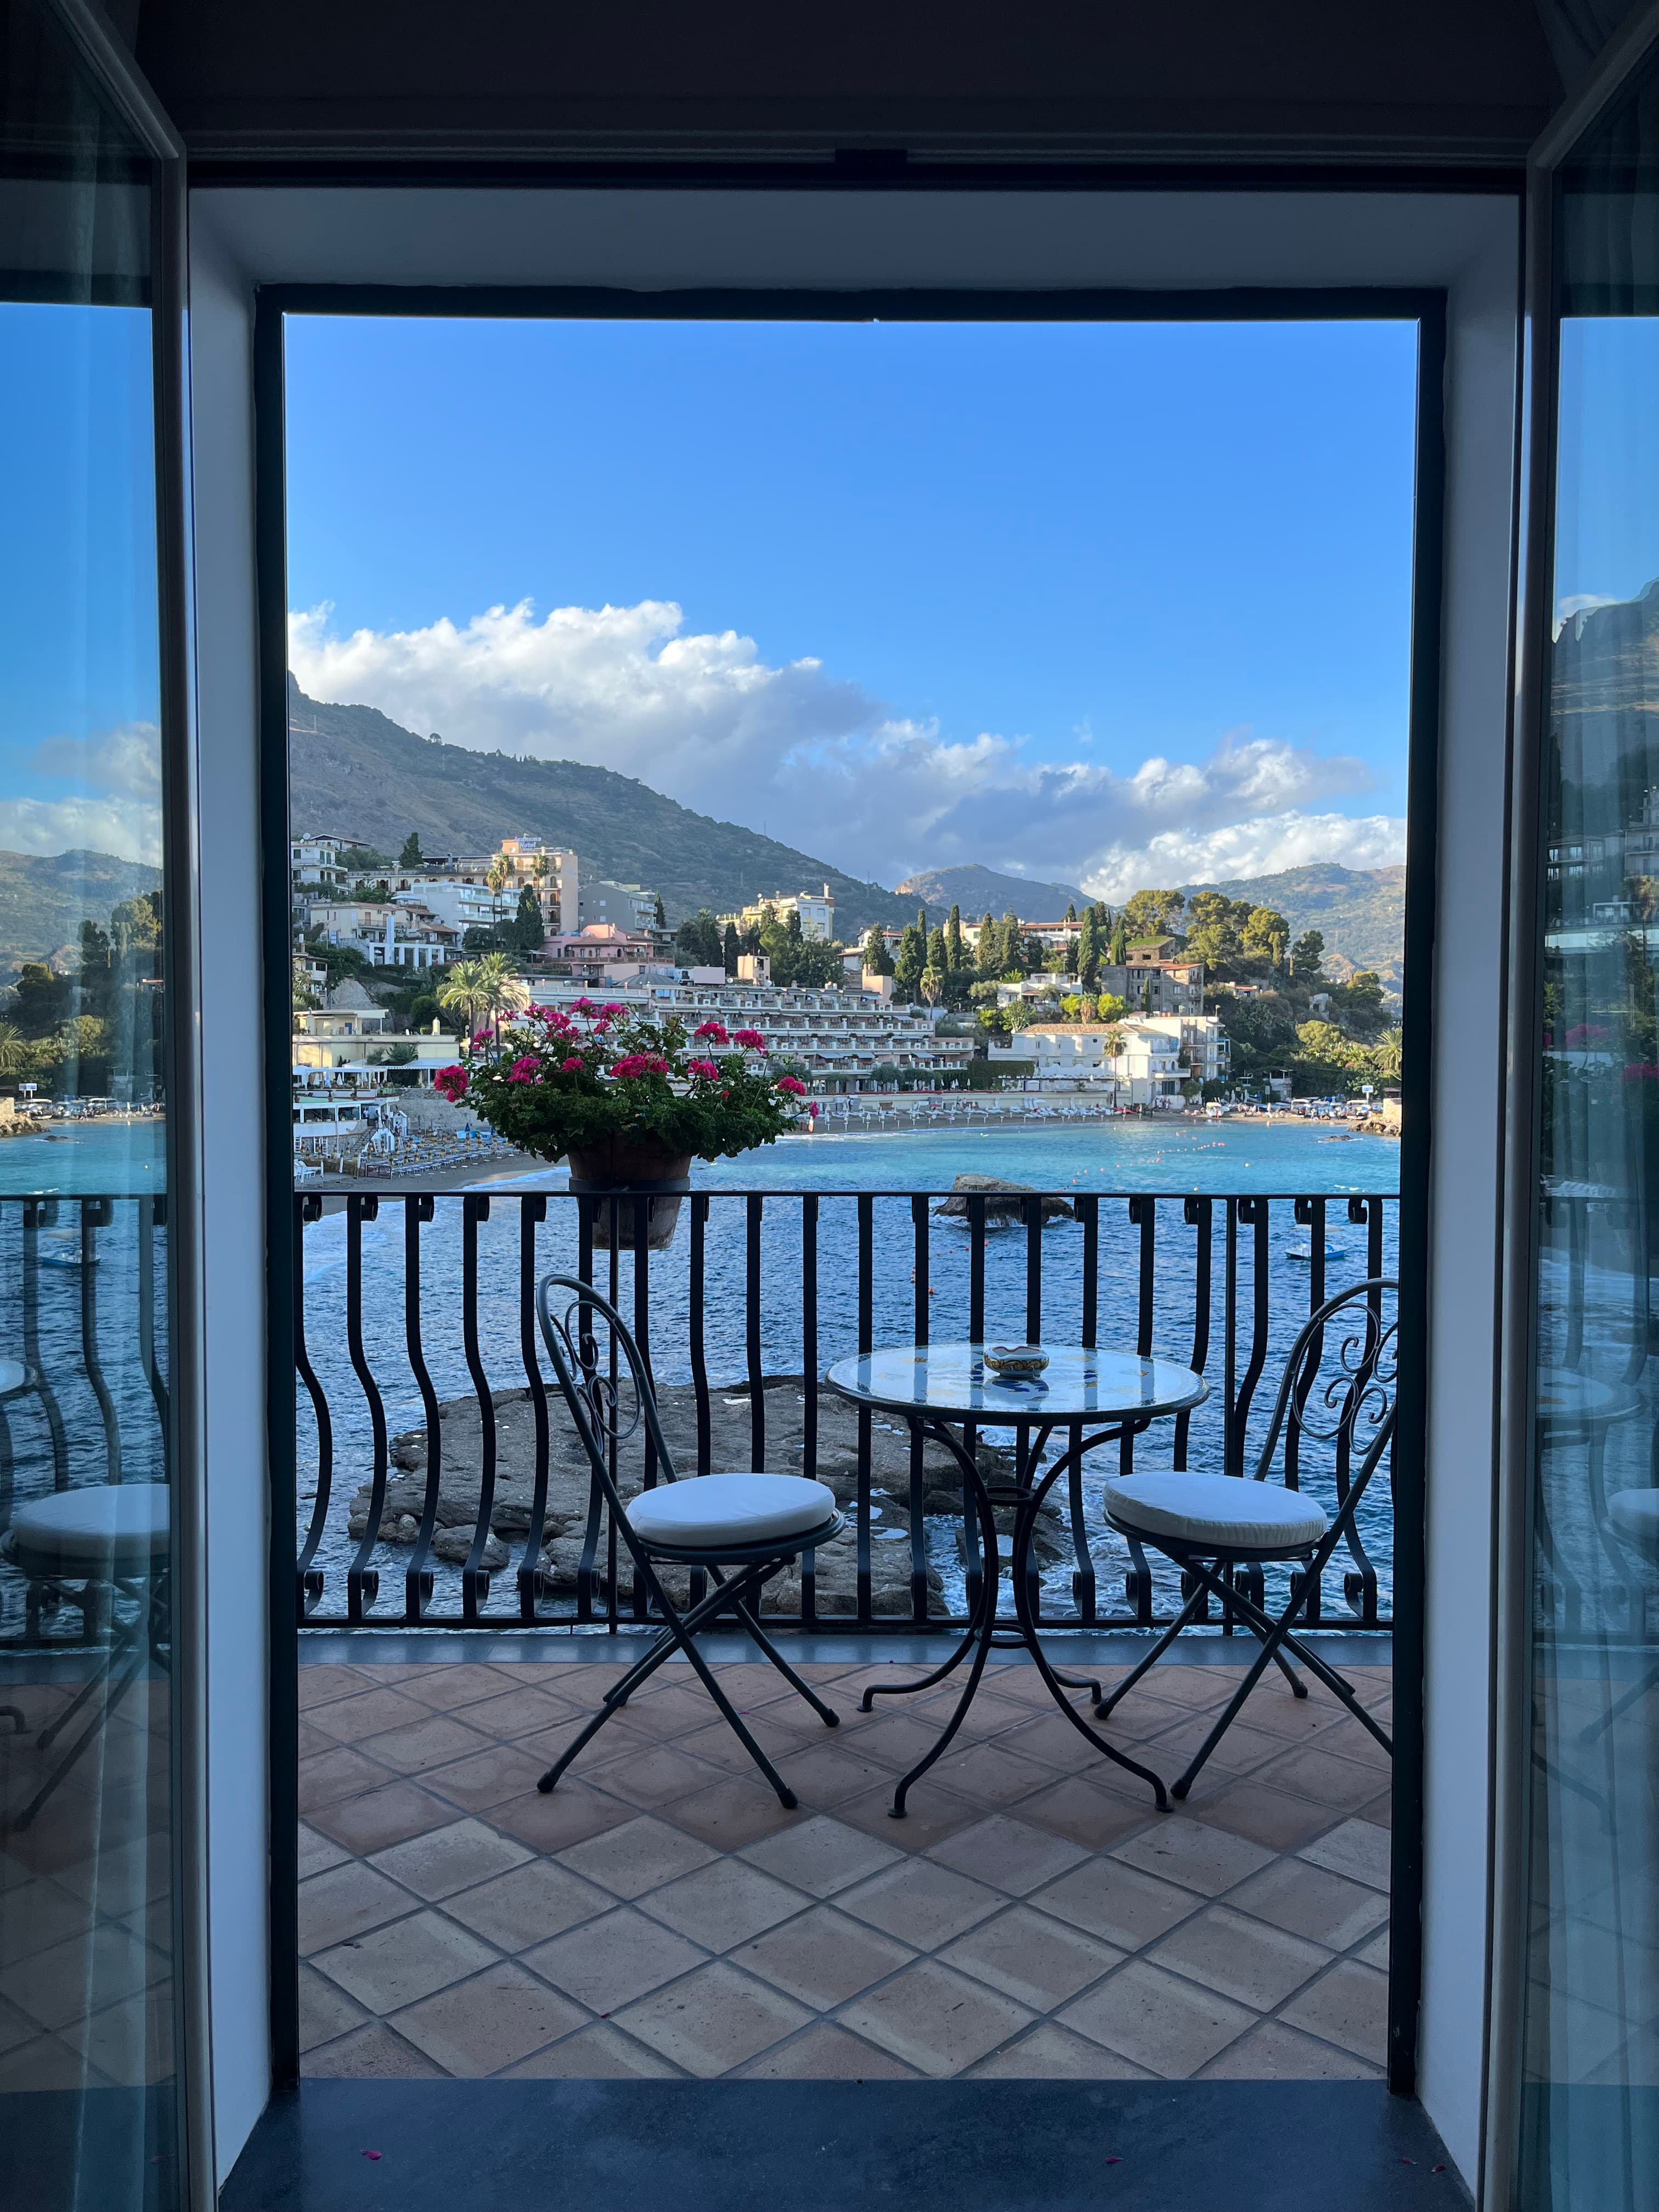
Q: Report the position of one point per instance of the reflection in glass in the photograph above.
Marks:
(86, 2059)
(1591, 2029)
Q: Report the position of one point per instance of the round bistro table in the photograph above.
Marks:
(940, 1389)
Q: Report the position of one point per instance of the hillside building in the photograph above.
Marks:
(1142, 1061)
(817, 910)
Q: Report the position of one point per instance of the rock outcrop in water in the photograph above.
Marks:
(783, 1406)
(1003, 1201)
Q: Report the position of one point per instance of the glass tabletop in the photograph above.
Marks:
(952, 1380)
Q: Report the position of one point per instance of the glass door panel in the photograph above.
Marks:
(1590, 2039)
(86, 2060)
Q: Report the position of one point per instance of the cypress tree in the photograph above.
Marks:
(953, 944)
(986, 949)
(729, 948)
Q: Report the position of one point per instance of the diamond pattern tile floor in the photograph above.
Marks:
(660, 1914)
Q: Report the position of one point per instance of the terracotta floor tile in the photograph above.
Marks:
(738, 1809)
(713, 2020)
(1052, 2053)
(600, 2052)
(443, 1860)
(446, 1684)
(1380, 1810)
(334, 1775)
(1260, 1812)
(105, 1963)
(1359, 1849)
(1375, 1952)
(929, 1815)
(827, 1773)
(654, 1776)
(382, 1816)
(1116, 1902)
(826, 2052)
(391, 1967)
(491, 1776)
(566, 1816)
(1241, 1750)
(343, 1902)
(325, 2011)
(1036, 1960)
(435, 1740)
(609, 1961)
(513, 1710)
(638, 1855)
(987, 1775)
(1307, 1901)
(374, 2053)
(479, 2026)
(1084, 1812)
(1349, 2006)
(1158, 2020)
(1272, 2052)
(935, 2019)
(1191, 1852)
(527, 1905)
(820, 1958)
(1310, 1772)
(318, 1685)
(724, 1904)
(1244, 1959)
(317, 1853)
(821, 1856)
(1006, 1854)
(349, 1719)
(919, 1903)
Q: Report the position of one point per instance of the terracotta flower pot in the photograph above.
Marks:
(642, 1166)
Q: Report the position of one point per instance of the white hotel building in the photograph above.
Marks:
(1141, 1061)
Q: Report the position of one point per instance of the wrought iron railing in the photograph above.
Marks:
(420, 1304)
(83, 1381)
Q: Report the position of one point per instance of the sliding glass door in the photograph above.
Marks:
(1588, 2108)
(94, 1572)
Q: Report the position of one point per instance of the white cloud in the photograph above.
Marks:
(824, 766)
(116, 809)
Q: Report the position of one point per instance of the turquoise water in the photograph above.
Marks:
(108, 1160)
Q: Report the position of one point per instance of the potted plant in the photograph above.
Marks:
(630, 1103)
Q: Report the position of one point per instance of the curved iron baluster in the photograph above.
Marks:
(585, 1213)
(97, 1213)
(920, 1319)
(308, 1579)
(475, 1575)
(809, 1329)
(151, 1217)
(364, 1581)
(417, 1575)
(532, 1211)
(41, 1213)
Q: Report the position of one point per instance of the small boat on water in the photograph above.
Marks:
(1305, 1252)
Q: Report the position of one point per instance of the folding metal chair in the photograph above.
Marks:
(1211, 1525)
(753, 1525)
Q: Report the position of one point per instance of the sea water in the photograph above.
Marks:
(1283, 1158)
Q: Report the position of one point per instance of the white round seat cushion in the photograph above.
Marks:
(1635, 1514)
(704, 1511)
(103, 1525)
(1224, 1512)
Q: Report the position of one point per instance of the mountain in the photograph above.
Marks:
(45, 898)
(355, 773)
(982, 890)
(1360, 912)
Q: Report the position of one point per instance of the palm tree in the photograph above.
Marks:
(1385, 1056)
(499, 991)
(13, 1053)
(461, 991)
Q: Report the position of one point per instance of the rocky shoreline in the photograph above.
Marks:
(565, 1518)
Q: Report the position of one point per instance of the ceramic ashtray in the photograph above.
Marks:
(1016, 1361)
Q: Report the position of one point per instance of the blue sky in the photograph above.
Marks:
(79, 752)
(1607, 515)
(984, 574)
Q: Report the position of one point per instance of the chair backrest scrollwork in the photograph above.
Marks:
(601, 1372)
(1352, 1406)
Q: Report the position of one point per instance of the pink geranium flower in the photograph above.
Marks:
(704, 1067)
(572, 1067)
(751, 1040)
(451, 1083)
(612, 1010)
(794, 1084)
(640, 1063)
(714, 1031)
(480, 1037)
(582, 1006)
